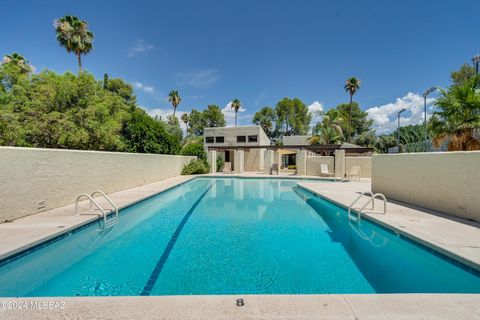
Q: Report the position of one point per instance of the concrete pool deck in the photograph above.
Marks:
(453, 236)
(339, 306)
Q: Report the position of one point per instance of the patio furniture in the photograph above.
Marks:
(227, 167)
(354, 172)
(324, 171)
(274, 168)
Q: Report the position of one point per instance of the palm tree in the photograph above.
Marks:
(458, 120)
(236, 105)
(175, 99)
(351, 86)
(19, 61)
(73, 34)
(186, 119)
(327, 131)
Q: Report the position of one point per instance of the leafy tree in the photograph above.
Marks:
(213, 117)
(19, 61)
(197, 122)
(14, 68)
(73, 34)
(461, 76)
(121, 88)
(360, 122)
(186, 119)
(293, 117)
(236, 105)
(194, 148)
(384, 142)
(173, 127)
(196, 166)
(328, 131)
(266, 118)
(352, 85)
(174, 99)
(458, 117)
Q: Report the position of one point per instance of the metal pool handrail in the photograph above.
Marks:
(85, 195)
(108, 200)
(372, 200)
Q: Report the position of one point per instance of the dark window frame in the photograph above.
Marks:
(221, 138)
(255, 136)
(209, 140)
(244, 139)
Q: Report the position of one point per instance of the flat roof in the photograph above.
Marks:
(313, 148)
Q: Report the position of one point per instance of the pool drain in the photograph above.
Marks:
(240, 303)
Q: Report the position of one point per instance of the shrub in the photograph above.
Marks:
(194, 148)
(195, 166)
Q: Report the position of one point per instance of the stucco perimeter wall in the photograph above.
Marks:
(34, 180)
(444, 181)
(313, 165)
(365, 164)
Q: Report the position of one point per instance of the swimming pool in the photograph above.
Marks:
(232, 236)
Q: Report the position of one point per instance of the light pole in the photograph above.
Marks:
(425, 95)
(476, 61)
(398, 128)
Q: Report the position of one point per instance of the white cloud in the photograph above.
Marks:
(139, 47)
(143, 87)
(385, 117)
(229, 114)
(315, 109)
(198, 78)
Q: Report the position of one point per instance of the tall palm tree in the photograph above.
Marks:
(352, 85)
(236, 105)
(19, 61)
(73, 34)
(186, 119)
(174, 99)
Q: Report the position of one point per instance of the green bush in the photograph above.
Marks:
(220, 163)
(194, 148)
(195, 166)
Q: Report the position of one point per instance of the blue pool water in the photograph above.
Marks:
(232, 236)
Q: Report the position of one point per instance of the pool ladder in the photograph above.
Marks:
(107, 223)
(371, 200)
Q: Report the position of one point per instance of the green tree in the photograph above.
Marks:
(236, 105)
(173, 127)
(346, 113)
(174, 99)
(197, 122)
(458, 117)
(121, 88)
(19, 61)
(74, 36)
(194, 148)
(293, 117)
(213, 117)
(14, 68)
(352, 85)
(461, 76)
(186, 119)
(266, 118)
(328, 131)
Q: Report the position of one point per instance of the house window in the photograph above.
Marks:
(208, 139)
(219, 139)
(253, 138)
(241, 139)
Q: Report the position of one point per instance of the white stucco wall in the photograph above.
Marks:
(444, 181)
(313, 165)
(34, 180)
(230, 136)
(365, 164)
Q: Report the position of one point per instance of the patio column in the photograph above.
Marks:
(239, 156)
(340, 164)
(301, 159)
(261, 158)
(278, 159)
(212, 160)
(268, 161)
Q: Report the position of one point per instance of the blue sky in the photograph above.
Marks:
(259, 51)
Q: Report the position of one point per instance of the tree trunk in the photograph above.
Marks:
(79, 58)
(174, 109)
(236, 117)
(350, 120)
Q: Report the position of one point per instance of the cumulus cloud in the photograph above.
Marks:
(385, 117)
(198, 78)
(143, 87)
(315, 109)
(140, 46)
(229, 114)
